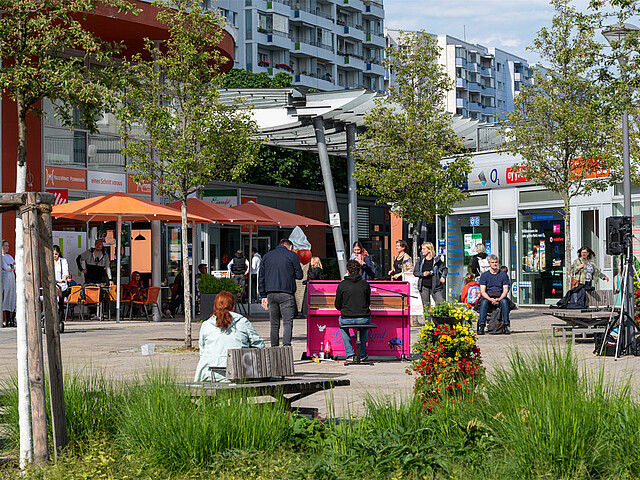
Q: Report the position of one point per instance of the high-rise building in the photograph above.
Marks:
(324, 44)
(487, 80)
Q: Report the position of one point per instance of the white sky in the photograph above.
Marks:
(507, 24)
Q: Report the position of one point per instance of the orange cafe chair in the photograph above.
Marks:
(73, 300)
(151, 299)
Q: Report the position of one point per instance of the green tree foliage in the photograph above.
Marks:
(45, 51)
(281, 167)
(562, 126)
(175, 99)
(237, 78)
(400, 157)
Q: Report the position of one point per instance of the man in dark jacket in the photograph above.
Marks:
(353, 298)
(277, 285)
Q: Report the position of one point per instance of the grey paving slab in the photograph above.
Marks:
(114, 350)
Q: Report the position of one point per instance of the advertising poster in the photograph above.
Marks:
(416, 300)
(71, 245)
(470, 242)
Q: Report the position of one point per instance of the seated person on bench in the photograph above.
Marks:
(353, 298)
(225, 329)
(494, 288)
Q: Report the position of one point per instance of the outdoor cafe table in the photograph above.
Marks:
(297, 387)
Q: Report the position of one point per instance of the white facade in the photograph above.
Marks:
(324, 44)
(522, 223)
(486, 79)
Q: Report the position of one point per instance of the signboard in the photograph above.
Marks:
(61, 194)
(470, 242)
(334, 219)
(71, 245)
(499, 176)
(106, 182)
(70, 178)
(416, 300)
(143, 188)
(474, 221)
(487, 247)
(227, 197)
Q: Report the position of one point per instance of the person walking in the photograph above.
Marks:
(431, 273)
(401, 262)
(277, 286)
(584, 270)
(256, 259)
(8, 286)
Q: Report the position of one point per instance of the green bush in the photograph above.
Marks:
(214, 285)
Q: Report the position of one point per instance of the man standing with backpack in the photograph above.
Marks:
(479, 262)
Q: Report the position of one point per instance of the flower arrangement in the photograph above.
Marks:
(456, 311)
(449, 367)
(284, 66)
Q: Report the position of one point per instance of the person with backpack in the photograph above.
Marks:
(479, 262)
(470, 291)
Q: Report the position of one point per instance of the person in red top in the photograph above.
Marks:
(470, 300)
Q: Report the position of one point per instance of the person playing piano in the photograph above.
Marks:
(353, 298)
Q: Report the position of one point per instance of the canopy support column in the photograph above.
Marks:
(334, 215)
(351, 184)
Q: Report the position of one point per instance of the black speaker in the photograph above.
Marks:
(617, 229)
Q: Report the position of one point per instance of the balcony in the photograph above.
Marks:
(474, 87)
(374, 68)
(475, 107)
(352, 61)
(373, 8)
(461, 103)
(311, 81)
(488, 91)
(461, 83)
(374, 38)
(461, 62)
(355, 5)
(350, 84)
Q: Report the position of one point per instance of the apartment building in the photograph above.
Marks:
(487, 80)
(324, 44)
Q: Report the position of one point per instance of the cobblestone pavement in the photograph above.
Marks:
(115, 351)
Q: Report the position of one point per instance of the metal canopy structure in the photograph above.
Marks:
(326, 123)
(284, 116)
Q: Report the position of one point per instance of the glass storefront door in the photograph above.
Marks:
(508, 246)
(541, 253)
(464, 232)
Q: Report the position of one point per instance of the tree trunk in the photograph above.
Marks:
(24, 396)
(567, 244)
(185, 275)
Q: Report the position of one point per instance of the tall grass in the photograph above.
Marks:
(541, 416)
(552, 419)
(162, 421)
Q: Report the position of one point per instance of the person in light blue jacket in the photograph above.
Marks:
(225, 329)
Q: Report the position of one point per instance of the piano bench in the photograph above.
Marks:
(359, 329)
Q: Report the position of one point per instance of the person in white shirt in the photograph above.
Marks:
(256, 259)
(8, 286)
(61, 268)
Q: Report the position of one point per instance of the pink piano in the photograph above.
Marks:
(389, 311)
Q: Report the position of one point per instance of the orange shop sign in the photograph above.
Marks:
(70, 178)
(143, 188)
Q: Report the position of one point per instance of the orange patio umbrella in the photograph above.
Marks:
(221, 214)
(117, 207)
(279, 217)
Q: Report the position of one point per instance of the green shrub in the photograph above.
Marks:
(210, 284)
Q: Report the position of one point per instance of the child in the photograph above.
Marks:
(353, 298)
(470, 291)
(315, 270)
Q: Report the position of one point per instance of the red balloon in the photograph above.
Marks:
(304, 256)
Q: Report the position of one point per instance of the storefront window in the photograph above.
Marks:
(541, 257)
(464, 232)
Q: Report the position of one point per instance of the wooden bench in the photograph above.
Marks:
(582, 324)
(261, 372)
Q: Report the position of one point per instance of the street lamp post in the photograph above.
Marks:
(614, 35)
